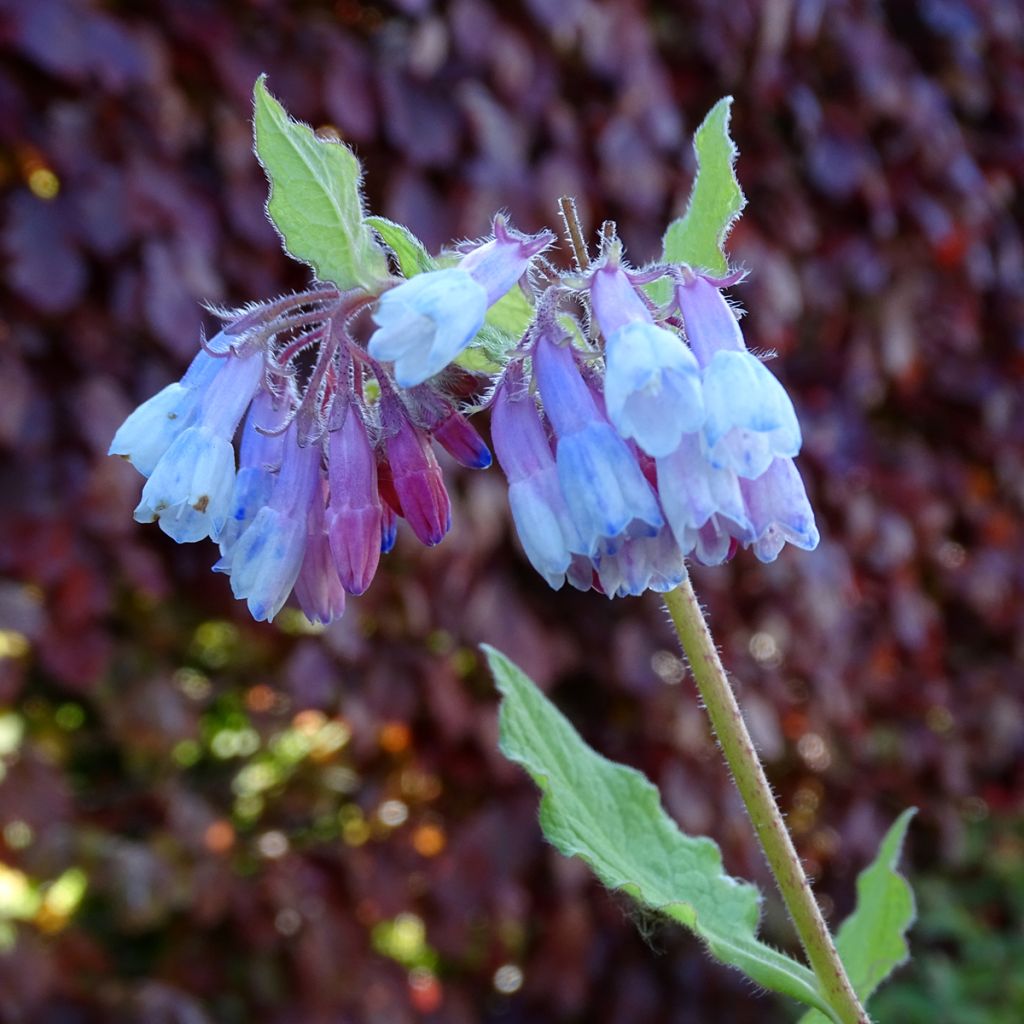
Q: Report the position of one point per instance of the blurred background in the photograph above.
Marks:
(204, 819)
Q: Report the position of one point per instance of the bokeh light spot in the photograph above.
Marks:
(13, 644)
(428, 840)
(272, 845)
(43, 183)
(18, 834)
(394, 737)
(393, 813)
(508, 979)
(219, 836)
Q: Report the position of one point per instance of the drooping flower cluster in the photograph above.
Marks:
(652, 449)
(631, 439)
(333, 447)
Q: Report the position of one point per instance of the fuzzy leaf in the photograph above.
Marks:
(611, 816)
(410, 252)
(315, 201)
(872, 940)
(716, 199)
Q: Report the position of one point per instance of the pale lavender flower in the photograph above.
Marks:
(189, 491)
(425, 322)
(750, 417)
(652, 384)
(539, 511)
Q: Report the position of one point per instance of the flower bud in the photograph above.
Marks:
(354, 515)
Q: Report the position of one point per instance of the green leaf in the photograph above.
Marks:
(512, 313)
(410, 253)
(716, 199)
(506, 321)
(872, 940)
(611, 816)
(315, 201)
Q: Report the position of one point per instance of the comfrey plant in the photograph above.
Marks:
(636, 431)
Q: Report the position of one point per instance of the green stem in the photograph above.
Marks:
(727, 722)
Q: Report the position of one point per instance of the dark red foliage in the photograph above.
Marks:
(883, 156)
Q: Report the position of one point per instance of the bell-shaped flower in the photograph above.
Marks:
(541, 516)
(259, 460)
(415, 474)
(428, 320)
(642, 564)
(652, 387)
(151, 429)
(779, 511)
(189, 491)
(652, 382)
(318, 588)
(425, 322)
(355, 517)
(266, 560)
(602, 483)
(693, 491)
(750, 418)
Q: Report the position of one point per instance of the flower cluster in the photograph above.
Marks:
(674, 440)
(332, 446)
(631, 439)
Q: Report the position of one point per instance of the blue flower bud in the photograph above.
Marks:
(318, 588)
(189, 492)
(652, 383)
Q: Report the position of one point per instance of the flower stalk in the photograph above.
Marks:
(755, 791)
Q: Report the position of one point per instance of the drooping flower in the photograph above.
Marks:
(604, 488)
(539, 511)
(318, 587)
(750, 417)
(693, 493)
(779, 511)
(642, 564)
(428, 320)
(189, 491)
(259, 459)
(266, 560)
(652, 384)
(152, 428)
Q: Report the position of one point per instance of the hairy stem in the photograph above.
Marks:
(748, 773)
(567, 207)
